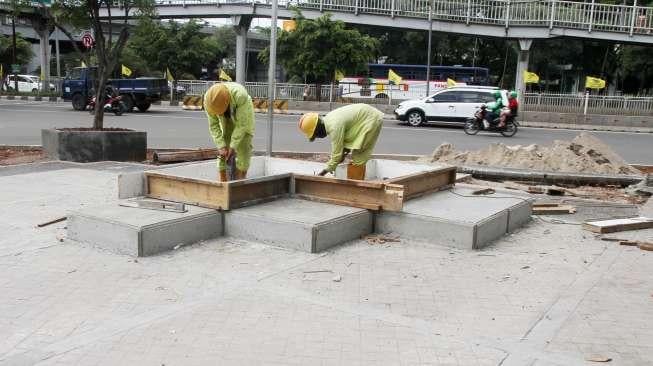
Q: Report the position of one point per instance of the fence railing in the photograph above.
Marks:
(588, 16)
(536, 102)
(596, 104)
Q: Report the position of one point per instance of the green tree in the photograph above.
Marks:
(181, 48)
(23, 52)
(70, 15)
(316, 48)
(637, 69)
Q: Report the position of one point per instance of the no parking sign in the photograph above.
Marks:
(87, 40)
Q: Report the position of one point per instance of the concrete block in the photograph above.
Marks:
(457, 218)
(141, 232)
(87, 145)
(131, 185)
(298, 224)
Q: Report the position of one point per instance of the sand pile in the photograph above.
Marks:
(584, 154)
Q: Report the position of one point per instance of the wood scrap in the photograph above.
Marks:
(60, 219)
(483, 191)
(645, 246)
(555, 191)
(553, 209)
(381, 239)
(617, 225)
(535, 190)
(628, 243)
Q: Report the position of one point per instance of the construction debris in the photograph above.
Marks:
(381, 239)
(155, 205)
(599, 359)
(552, 209)
(584, 154)
(616, 225)
(483, 191)
(60, 219)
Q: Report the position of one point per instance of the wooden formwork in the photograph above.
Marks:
(386, 195)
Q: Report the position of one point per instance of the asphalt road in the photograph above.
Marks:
(167, 127)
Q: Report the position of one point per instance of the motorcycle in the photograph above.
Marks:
(112, 104)
(479, 122)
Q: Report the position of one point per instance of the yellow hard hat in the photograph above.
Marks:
(216, 99)
(308, 123)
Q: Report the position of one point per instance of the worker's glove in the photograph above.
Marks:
(323, 173)
(225, 152)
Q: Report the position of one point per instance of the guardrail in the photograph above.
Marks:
(588, 16)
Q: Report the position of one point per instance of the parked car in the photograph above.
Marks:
(26, 83)
(455, 104)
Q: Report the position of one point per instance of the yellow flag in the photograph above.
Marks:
(126, 71)
(224, 76)
(339, 75)
(1, 72)
(83, 64)
(394, 77)
(169, 75)
(42, 76)
(594, 83)
(380, 87)
(451, 82)
(531, 78)
(289, 25)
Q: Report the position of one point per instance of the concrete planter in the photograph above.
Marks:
(86, 145)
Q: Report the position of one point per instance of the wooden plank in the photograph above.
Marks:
(191, 191)
(360, 194)
(553, 210)
(616, 225)
(371, 206)
(249, 192)
(420, 183)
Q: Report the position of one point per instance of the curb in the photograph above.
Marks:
(586, 127)
(31, 98)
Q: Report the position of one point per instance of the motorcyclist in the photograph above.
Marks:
(510, 110)
(494, 108)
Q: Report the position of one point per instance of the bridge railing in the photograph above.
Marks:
(543, 13)
(596, 104)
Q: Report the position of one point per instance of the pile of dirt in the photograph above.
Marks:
(12, 156)
(584, 154)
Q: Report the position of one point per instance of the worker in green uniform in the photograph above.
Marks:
(353, 128)
(231, 122)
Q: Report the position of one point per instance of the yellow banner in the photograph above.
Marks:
(451, 82)
(289, 25)
(531, 78)
(339, 75)
(224, 76)
(126, 71)
(594, 83)
(169, 75)
(379, 87)
(393, 77)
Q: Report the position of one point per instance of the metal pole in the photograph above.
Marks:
(428, 51)
(271, 74)
(13, 52)
(587, 97)
(56, 46)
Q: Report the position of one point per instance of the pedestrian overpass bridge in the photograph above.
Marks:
(514, 19)
(524, 20)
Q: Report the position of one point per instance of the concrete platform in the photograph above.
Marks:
(298, 224)
(141, 232)
(456, 218)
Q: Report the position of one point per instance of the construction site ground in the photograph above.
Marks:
(549, 294)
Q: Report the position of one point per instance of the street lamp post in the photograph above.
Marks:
(272, 75)
(428, 51)
(13, 52)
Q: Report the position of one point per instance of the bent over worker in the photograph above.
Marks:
(231, 122)
(353, 128)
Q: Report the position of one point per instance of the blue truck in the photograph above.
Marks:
(140, 92)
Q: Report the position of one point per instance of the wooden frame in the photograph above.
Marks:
(386, 195)
(218, 195)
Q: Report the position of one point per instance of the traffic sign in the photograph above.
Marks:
(87, 40)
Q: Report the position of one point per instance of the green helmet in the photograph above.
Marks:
(513, 94)
(496, 94)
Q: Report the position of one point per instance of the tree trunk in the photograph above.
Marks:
(100, 97)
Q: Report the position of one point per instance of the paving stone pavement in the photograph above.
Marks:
(550, 294)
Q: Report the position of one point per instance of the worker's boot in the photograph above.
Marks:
(222, 174)
(241, 174)
(356, 172)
